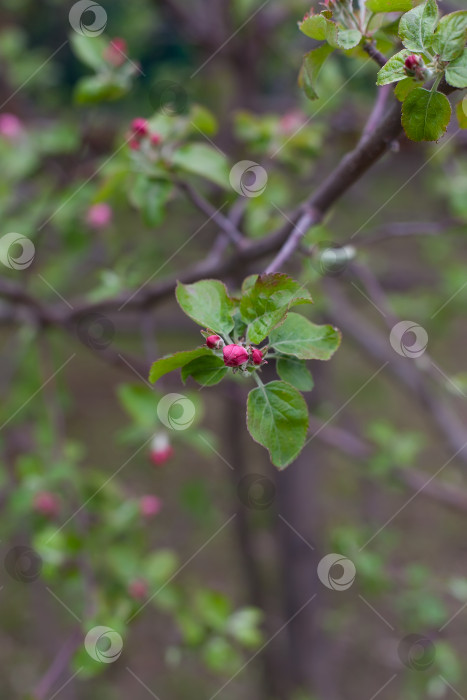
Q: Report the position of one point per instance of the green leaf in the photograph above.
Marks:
(207, 371)
(314, 26)
(322, 28)
(203, 120)
(425, 115)
(461, 112)
(151, 197)
(389, 5)
(200, 159)
(208, 304)
(138, 402)
(89, 49)
(299, 337)
(404, 87)
(394, 69)
(449, 39)
(99, 88)
(295, 372)
(348, 38)
(171, 362)
(456, 72)
(417, 26)
(312, 64)
(265, 304)
(277, 418)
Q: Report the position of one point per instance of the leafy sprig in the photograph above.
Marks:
(277, 415)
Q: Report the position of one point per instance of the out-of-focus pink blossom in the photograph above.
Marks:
(149, 506)
(47, 504)
(11, 127)
(138, 589)
(99, 216)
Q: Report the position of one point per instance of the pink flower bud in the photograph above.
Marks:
(156, 139)
(99, 216)
(115, 52)
(134, 144)
(11, 127)
(235, 355)
(149, 506)
(161, 449)
(139, 127)
(214, 341)
(412, 62)
(256, 356)
(46, 504)
(138, 589)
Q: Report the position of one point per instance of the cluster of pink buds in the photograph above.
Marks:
(115, 52)
(46, 504)
(239, 356)
(161, 449)
(140, 131)
(415, 67)
(149, 506)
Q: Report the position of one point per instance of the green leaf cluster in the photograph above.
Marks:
(277, 416)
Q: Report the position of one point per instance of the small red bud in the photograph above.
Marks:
(115, 52)
(161, 449)
(139, 127)
(256, 356)
(138, 589)
(149, 506)
(214, 342)
(134, 144)
(46, 504)
(156, 139)
(235, 355)
(412, 62)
